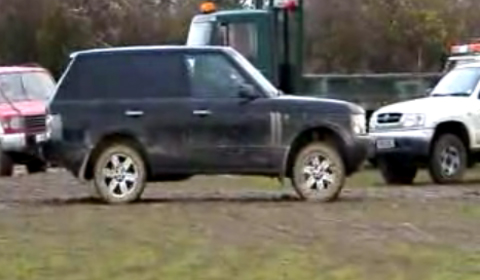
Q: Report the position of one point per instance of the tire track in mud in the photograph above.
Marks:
(57, 187)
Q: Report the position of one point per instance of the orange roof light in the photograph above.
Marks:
(208, 7)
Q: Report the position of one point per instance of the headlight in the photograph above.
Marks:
(13, 123)
(372, 122)
(359, 124)
(16, 123)
(413, 120)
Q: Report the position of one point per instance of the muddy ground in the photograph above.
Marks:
(239, 228)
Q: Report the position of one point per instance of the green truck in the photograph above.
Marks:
(271, 35)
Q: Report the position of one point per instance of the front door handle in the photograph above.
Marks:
(133, 113)
(202, 113)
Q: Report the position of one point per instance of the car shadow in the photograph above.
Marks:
(466, 183)
(241, 198)
(198, 198)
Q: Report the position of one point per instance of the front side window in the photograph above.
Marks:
(458, 82)
(200, 34)
(214, 76)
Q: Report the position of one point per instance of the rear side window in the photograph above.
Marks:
(125, 76)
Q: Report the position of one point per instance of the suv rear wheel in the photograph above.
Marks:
(318, 173)
(120, 174)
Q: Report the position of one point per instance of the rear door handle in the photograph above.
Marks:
(202, 113)
(133, 113)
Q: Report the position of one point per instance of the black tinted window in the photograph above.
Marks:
(126, 75)
(214, 76)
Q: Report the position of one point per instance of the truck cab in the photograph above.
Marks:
(269, 36)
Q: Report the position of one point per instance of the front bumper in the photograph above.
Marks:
(410, 143)
(356, 153)
(20, 142)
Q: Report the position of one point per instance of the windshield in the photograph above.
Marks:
(452, 63)
(15, 87)
(200, 33)
(458, 82)
(257, 75)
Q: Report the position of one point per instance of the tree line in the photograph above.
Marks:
(348, 36)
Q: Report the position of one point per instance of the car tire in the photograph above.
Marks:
(119, 174)
(36, 166)
(6, 165)
(318, 173)
(448, 160)
(395, 172)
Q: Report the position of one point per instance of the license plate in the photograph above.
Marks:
(41, 137)
(385, 143)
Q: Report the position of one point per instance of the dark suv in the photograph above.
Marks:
(125, 116)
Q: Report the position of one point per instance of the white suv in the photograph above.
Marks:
(440, 132)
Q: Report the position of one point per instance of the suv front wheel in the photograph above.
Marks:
(448, 161)
(397, 171)
(318, 173)
(120, 174)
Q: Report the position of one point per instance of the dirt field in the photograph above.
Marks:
(234, 228)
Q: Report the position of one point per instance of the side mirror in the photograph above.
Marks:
(247, 92)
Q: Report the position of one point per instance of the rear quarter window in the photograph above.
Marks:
(125, 76)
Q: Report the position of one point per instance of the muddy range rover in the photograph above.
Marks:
(129, 115)
(24, 94)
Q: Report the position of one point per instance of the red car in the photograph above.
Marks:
(24, 95)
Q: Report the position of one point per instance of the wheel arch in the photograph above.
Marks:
(317, 133)
(125, 137)
(457, 128)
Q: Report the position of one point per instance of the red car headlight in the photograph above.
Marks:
(13, 124)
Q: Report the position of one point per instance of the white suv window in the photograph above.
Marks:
(458, 82)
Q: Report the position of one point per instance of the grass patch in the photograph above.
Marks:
(166, 242)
